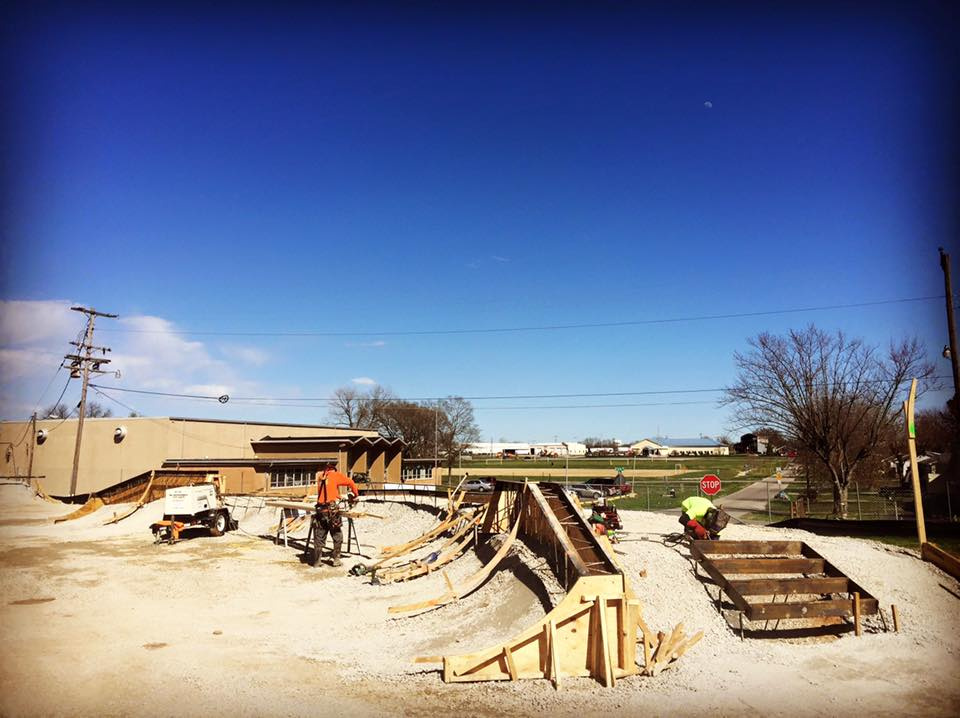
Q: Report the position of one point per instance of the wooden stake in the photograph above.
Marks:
(896, 618)
(511, 666)
(856, 612)
(914, 472)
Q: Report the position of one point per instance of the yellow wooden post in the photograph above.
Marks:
(915, 474)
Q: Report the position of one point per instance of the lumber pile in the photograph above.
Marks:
(660, 650)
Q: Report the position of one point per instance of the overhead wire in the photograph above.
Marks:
(519, 329)
(308, 401)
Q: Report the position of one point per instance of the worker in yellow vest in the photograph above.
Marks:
(701, 519)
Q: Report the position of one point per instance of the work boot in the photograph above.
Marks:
(336, 562)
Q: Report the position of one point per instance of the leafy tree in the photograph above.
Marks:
(831, 395)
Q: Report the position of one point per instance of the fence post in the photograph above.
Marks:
(648, 498)
(769, 512)
(856, 486)
(896, 513)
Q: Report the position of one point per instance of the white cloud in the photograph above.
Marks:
(33, 322)
(498, 258)
(147, 350)
(249, 355)
(376, 344)
(364, 381)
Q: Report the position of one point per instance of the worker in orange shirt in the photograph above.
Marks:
(328, 519)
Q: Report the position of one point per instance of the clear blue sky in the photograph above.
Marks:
(359, 167)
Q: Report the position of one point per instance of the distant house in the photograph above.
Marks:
(665, 446)
(753, 444)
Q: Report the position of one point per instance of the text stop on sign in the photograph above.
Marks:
(710, 484)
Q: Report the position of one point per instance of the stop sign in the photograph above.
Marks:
(710, 484)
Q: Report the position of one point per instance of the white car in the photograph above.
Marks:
(476, 485)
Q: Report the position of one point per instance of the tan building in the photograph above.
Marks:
(251, 456)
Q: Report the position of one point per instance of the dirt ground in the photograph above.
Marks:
(98, 620)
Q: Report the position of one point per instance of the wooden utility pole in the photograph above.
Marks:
(914, 473)
(952, 330)
(33, 446)
(81, 365)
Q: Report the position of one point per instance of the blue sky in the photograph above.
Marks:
(359, 167)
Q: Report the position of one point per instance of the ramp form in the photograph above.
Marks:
(592, 632)
(811, 586)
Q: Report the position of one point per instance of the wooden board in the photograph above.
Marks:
(768, 565)
(782, 548)
(810, 609)
(947, 562)
(789, 586)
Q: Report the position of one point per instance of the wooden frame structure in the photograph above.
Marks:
(592, 632)
(790, 569)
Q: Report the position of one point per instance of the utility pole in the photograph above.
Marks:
(951, 329)
(82, 364)
(33, 446)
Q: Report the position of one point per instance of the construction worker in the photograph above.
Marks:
(328, 519)
(701, 519)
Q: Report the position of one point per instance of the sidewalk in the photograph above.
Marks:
(752, 498)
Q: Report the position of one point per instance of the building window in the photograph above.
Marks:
(291, 477)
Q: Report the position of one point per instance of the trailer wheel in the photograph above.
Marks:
(218, 526)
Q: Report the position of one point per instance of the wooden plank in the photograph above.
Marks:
(708, 565)
(554, 650)
(511, 665)
(811, 609)
(946, 562)
(768, 565)
(856, 613)
(786, 548)
(557, 530)
(896, 618)
(789, 586)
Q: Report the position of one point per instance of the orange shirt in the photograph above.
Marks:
(334, 480)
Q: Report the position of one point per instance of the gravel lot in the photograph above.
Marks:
(100, 621)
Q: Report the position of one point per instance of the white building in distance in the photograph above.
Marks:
(664, 446)
(521, 448)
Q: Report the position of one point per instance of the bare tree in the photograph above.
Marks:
(56, 411)
(96, 411)
(358, 409)
(456, 428)
(413, 423)
(834, 396)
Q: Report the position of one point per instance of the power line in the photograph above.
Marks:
(312, 402)
(533, 328)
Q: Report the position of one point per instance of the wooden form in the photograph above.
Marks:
(91, 505)
(823, 590)
(469, 586)
(452, 548)
(593, 631)
(139, 505)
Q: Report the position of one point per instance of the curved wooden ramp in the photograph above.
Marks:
(469, 586)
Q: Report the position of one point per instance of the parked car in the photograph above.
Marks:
(585, 491)
(611, 487)
(476, 485)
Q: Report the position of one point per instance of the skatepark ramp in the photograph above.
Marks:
(593, 631)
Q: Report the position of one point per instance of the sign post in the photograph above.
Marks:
(710, 485)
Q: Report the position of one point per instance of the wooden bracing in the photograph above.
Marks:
(592, 632)
(790, 569)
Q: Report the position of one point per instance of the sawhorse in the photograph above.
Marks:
(351, 537)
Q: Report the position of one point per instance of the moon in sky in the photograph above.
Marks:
(708, 104)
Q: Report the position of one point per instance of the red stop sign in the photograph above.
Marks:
(710, 484)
